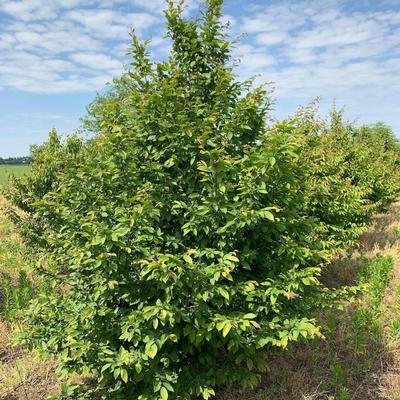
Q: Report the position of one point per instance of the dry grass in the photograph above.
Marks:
(23, 376)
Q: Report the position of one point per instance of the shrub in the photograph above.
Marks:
(374, 163)
(189, 236)
(49, 161)
(354, 173)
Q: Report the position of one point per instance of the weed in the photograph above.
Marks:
(339, 373)
(361, 321)
(396, 232)
(15, 298)
(344, 394)
(395, 328)
(331, 325)
(377, 274)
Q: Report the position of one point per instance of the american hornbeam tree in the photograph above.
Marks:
(50, 160)
(186, 236)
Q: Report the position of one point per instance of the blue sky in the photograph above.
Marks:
(55, 55)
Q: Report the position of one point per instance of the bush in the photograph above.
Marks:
(374, 163)
(50, 160)
(189, 235)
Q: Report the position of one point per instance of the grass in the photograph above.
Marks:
(6, 170)
(12, 254)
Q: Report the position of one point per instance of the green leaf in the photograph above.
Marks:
(151, 349)
(164, 393)
(155, 323)
(169, 163)
(227, 329)
(272, 161)
(207, 393)
(124, 375)
(249, 316)
(101, 239)
(231, 257)
(220, 325)
(188, 259)
(169, 387)
(224, 293)
(138, 368)
(111, 284)
(105, 367)
(267, 214)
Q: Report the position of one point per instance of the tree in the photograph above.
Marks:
(189, 236)
(51, 159)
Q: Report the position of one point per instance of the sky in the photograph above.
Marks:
(56, 54)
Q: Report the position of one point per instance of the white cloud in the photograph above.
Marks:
(107, 23)
(29, 10)
(280, 17)
(307, 48)
(65, 46)
(96, 61)
(158, 6)
(323, 49)
(252, 59)
(271, 38)
(155, 6)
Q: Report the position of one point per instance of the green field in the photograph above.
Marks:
(6, 170)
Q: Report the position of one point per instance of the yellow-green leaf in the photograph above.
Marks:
(249, 316)
(220, 325)
(155, 323)
(227, 328)
(231, 257)
(151, 350)
(188, 259)
(224, 293)
(124, 375)
(164, 393)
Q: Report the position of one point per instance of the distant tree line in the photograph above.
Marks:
(15, 160)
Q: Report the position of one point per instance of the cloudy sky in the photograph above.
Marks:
(55, 55)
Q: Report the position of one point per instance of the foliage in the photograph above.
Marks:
(354, 173)
(188, 235)
(374, 158)
(50, 161)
